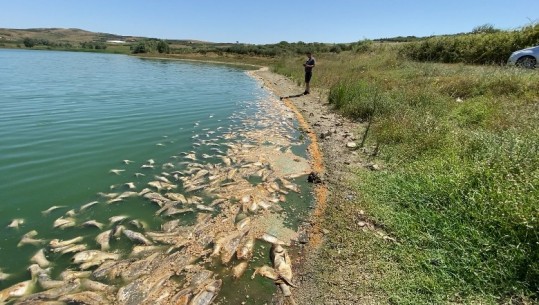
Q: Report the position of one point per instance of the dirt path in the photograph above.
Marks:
(332, 132)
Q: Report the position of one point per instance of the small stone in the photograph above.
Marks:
(325, 231)
(361, 223)
(351, 145)
(374, 167)
(303, 237)
(314, 178)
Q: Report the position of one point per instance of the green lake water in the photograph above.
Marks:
(67, 119)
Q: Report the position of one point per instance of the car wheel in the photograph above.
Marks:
(528, 62)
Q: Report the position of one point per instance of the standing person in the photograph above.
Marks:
(309, 65)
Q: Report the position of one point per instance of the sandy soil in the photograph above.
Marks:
(332, 132)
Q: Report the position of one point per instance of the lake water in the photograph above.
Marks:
(68, 119)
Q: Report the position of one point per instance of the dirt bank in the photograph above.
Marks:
(323, 280)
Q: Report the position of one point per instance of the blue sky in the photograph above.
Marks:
(269, 21)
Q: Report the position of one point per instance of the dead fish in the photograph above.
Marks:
(138, 224)
(43, 277)
(182, 297)
(103, 240)
(116, 171)
(239, 269)
(56, 243)
(74, 249)
(4, 276)
(217, 201)
(231, 174)
(253, 207)
(243, 224)
(275, 186)
(16, 291)
(64, 223)
(143, 251)
(127, 161)
(92, 223)
(88, 205)
(117, 231)
(128, 194)
(191, 156)
(151, 161)
(192, 188)
(28, 239)
(208, 294)
(201, 173)
(68, 275)
(54, 207)
(272, 239)
(162, 179)
(139, 175)
(94, 256)
(40, 259)
(264, 205)
(71, 213)
(147, 166)
(168, 165)
(114, 200)
(245, 251)
(117, 219)
(169, 226)
(137, 237)
(108, 195)
(290, 186)
(202, 207)
(174, 211)
(84, 297)
(283, 265)
(15, 223)
(176, 197)
(96, 286)
(160, 185)
(130, 185)
(230, 245)
(266, 271)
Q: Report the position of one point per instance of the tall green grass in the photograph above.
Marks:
(460, 188)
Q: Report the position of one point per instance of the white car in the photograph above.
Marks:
(525, 58)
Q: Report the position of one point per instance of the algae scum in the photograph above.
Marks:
(193, 227)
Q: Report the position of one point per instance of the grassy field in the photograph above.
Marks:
(459, 189)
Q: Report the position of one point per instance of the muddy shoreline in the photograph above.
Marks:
(332, 133)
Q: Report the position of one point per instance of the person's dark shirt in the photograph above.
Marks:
(310, 62)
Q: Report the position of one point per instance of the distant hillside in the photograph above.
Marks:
(59, 35)
(73, 36)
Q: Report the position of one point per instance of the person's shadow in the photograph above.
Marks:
(291, 96)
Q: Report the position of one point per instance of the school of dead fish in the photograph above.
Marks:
(225, 230)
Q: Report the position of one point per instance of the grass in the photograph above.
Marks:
(460, 189)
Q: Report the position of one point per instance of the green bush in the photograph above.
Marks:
(483, 46)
